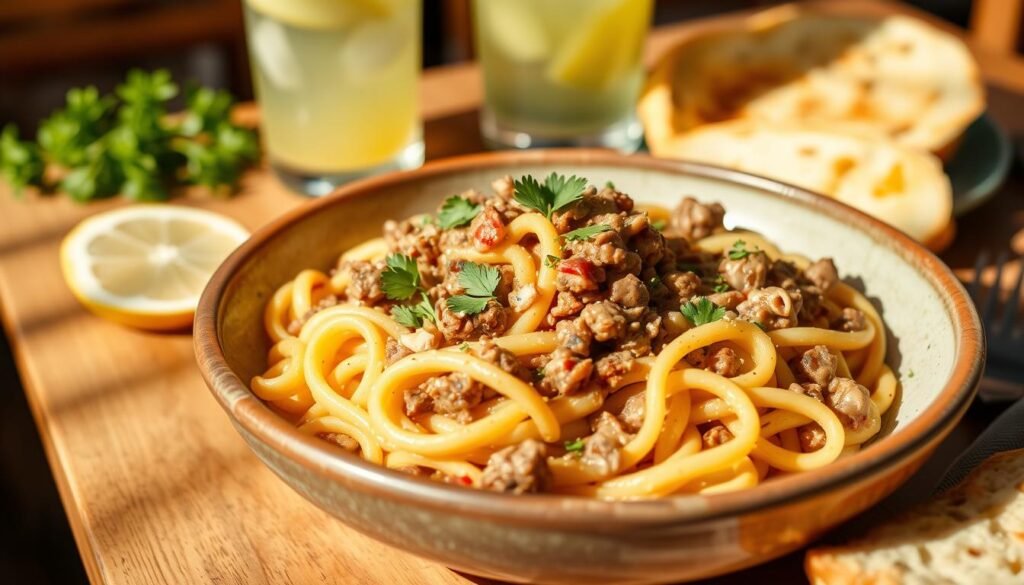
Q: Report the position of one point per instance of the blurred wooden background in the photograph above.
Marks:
(48, 46)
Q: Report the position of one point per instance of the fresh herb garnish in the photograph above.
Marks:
(720, 286)
(701, 311)
(659, 225)
(480, 282)
(401, 279)
(456, 212)
(761, 326)
(586, 232)
(556, 192)
(551, 261)
(910, 374)
(413, 316)
(426, 220)
(609, 185)
(538, 374)
(739, 250)
(575, 446)
(464, 346)
(125, 143)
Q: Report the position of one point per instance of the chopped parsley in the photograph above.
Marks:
(538, 374)
(413, 316)
(701, 311)
(585, 233)
(760, 325)
(574, 446)
(556, 192)
(609, 185)
(464, 346)
(401, 279)
(480, 282)
(551, 261)
(910, 374)
(426, 220)
(739, 250)
(720, 286)
(659, 225)
(457, 211)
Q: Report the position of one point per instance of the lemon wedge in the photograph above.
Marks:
(603, 48)
(146, 265)
(516, 29)
(322, 14)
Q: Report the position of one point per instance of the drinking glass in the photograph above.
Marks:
(561, 72)
(336, 81)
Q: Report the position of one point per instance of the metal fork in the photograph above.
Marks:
(1004, 329)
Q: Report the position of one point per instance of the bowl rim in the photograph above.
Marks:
(330, 462)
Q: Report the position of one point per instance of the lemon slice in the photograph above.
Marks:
(516, 29)
(603, 48)
(322, 14)
(146, 265)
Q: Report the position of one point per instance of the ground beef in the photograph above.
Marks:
(295, 327)
(365, 285)
(504, 359)
(850, 320)
(715, 435)
(632, 415)
(566, 304)
(457, 327)
(723, 361)
(574, 336)
(695, 220)
(628, 291)
(452, 395)
(613, 367)
(643, 326)
(822, 273)
(812, 390)
(850, 401)
(342, 440)
(602, 451)
(394, 351)
(816, 365)
(565, 373)
(812, 437)
(772, 307)
(682, 285)
(418, 239)
(605, 320)
(578, 275)
(649, 245)
(606, 250)
(729, 300)
(487, 229)
(747, 273)
(518, 469)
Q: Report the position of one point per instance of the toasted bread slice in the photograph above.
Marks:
(898, 185)
(973, 534)
(898, 77)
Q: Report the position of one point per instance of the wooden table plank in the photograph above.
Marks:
(158, 487)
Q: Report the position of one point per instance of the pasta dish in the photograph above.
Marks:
(555, 337)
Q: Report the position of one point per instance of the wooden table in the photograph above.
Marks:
(157, 485)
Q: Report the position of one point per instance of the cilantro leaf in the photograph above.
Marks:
(401, 279)
(413, 316)
(20, 162)
(456, 212)
(739, 250)
(479, 280)
(467, 305)
(586, 232)
(701, 311)
(557, 192)
(575, 446)
(551, 261)
(659, 225)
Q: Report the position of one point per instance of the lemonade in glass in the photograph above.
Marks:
(561, 72)
(336, 81)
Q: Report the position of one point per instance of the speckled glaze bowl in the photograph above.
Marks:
(934, 332)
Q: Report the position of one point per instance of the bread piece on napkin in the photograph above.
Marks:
(902, 186)
(897, 76)
(972, 534)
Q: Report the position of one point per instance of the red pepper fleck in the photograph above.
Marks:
(577, 267)
(465, 480)
(488, 230)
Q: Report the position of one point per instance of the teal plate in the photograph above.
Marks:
(980, 164)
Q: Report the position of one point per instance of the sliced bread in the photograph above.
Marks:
(973, 534)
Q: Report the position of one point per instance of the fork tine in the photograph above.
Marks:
(974, 288)
(1013, 302)
(988, 315)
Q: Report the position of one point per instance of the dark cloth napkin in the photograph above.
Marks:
(1004, 434)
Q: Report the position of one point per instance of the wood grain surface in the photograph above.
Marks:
(157, 485)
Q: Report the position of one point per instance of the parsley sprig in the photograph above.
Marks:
(480, 282)
(457, 211)
(575, 446)
(103, 145)
(739, 250)
(401, 281)
(586, 232)
(557, 192)
(701, 311)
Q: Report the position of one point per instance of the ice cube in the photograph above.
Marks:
(373, 47)
(277, 61)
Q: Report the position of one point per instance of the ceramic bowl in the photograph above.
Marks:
(935, 339)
